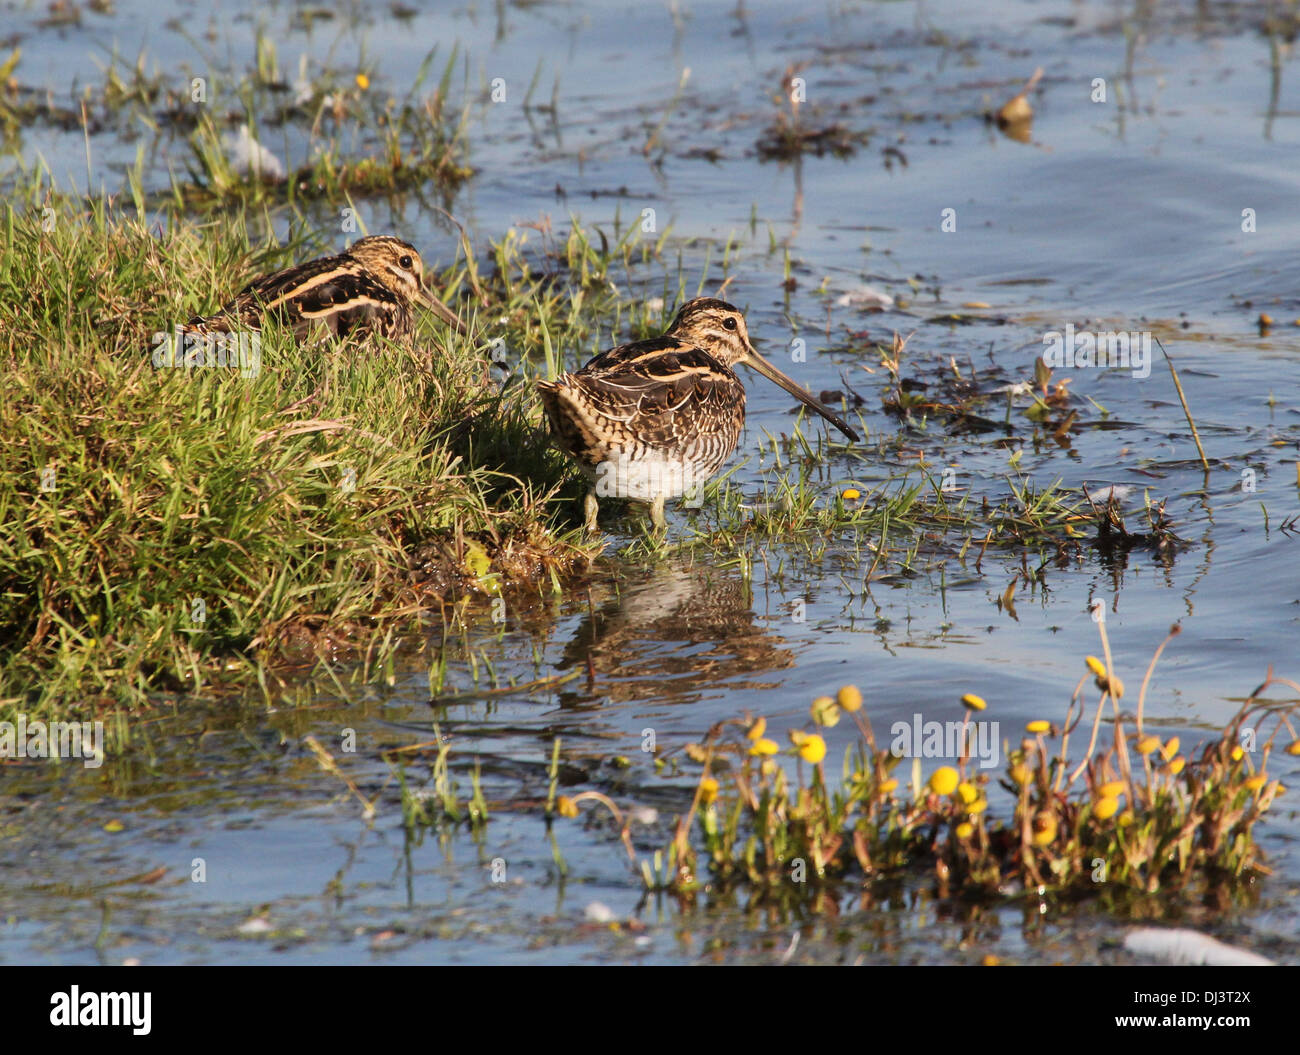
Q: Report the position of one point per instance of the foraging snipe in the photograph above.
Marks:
(654, 419)
(369, 288)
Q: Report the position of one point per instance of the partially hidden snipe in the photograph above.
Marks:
(372, 287)
(654, 419)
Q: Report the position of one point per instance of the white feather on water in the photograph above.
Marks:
(864, 297)
(249, 157)
(1189, 948)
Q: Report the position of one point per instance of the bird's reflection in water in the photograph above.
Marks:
(676, 633)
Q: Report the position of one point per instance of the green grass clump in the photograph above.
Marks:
(159, 524)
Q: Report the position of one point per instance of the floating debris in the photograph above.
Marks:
(249, 158)
(864, 297)
(1016, 116)
(1189, 948)
(598, 912)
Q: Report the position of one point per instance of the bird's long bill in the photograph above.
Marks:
(441, 310)
(800, 393)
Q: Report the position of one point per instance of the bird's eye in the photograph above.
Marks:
(405, 262)
(729, 323)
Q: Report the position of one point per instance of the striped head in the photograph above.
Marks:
(395, 263)
(718, 328)
(713, 326)
(398, 266)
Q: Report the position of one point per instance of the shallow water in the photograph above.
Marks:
(1124, 215)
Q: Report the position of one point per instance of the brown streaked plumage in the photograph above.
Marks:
(369, 288)
(654, 419)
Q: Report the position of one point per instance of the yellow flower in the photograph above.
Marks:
(1176, 766)
(1105, 808)
(566, 806)
(1112, 789)
(851, 699)
(825, 711)
(1044, 829)
(851, 494)
(797, 736)
(1293, 748)
(888, 786)
(1021, 774)
(975, 703)
(944, 781)
(978, 806)
(363, 82)
(965, 830)
(1095, 665)
(764, 746)
(708, 790)
(1126, 818)
(1171, 748)
(1148, 744)
(1238, 754)
(1038, 726)
(757, 729)
(967, 792)
(1257, 782)
(813, 749)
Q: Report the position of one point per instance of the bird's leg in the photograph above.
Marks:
(657, 513)
(591, 508)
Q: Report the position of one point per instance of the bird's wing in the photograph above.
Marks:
(652, 386)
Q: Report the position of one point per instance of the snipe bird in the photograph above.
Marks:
(370, 288)
(654, 419)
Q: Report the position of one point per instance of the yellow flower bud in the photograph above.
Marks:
(1176, 766)
(1044, 829)
(978, 806)
(851, 494)
(825, 711)
(566, 807)
(1257, 782)
(1021, 774)
(1293, 748)
(1105, 808)
(1039, 726)
(1171, 748)
(757, 729)
(973, 702)
(1238, 754)
(965, 830)
(763, 746)
(363, 82)
(1112, 789)
(944, 781)
(813, 749)
(708, 790)
(967, 792)
(888, 786)
(1148, 744)
(850, 698)
(1095, 665)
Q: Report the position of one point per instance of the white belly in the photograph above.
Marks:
(644, 478)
